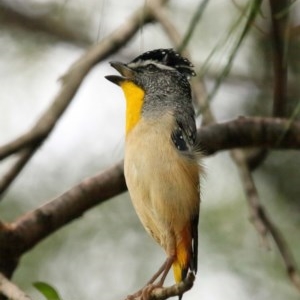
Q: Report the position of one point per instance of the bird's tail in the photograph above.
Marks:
(186, 252)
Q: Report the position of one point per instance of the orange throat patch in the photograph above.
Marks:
(134, 101)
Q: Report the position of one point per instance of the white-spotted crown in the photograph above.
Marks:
(165, 57)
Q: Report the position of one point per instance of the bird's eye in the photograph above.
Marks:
(151, 67)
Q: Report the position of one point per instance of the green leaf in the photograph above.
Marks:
(47, 290)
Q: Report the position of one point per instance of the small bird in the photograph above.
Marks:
(161, 163)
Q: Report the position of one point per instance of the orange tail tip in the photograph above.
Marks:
(181, 265)
(182, 262)
(183, 255)
(187, 251)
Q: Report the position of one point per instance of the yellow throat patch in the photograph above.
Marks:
(134, 101)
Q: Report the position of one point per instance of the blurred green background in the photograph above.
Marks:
(106, 254)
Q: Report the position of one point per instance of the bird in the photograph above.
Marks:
(161, 159)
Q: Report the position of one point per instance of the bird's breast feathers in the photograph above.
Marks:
(162, 182)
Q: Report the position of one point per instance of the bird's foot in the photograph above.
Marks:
(144, 293)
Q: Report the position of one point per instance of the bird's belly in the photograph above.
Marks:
(162, 184)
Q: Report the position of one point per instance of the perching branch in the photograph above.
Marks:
(162, 293)
(174, 290)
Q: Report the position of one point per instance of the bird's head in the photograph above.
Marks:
(150, 69)
(152, 81)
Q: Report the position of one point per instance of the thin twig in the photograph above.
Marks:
(21, 160)
(284, 250)
(195, 19)
(280, 45)
(263, 223)
(10, 290)
(253, 11)
(251, 195)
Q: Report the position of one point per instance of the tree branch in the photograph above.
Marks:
(10, 290)
(161, 293)
(174, 290)
(31, 228)
(22, 158)
(244, 132)
(35, 225)
(252, 197)
(283, 248)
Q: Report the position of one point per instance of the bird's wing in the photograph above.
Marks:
(184, 132)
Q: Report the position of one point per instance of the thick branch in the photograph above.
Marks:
(29, 229)
(35, 225)
(272, 133)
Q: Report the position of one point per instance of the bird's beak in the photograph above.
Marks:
(125, 71)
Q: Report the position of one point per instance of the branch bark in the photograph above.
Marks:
(10, 290)
(244, 132)
(174, 290)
